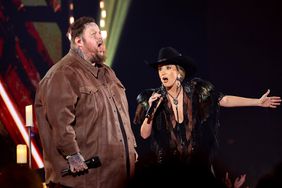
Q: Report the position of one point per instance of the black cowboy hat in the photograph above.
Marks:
(169, 55)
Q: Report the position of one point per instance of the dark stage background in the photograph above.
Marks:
(237, 45)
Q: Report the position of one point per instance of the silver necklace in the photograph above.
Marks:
(175, 102)
(175, 99)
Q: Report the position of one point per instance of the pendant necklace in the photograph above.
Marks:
(175, 99)
(175, 102)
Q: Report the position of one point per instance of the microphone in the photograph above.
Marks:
(154, 104)
(93, 162)
(151, 109)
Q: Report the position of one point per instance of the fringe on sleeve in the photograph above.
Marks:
(205, 101)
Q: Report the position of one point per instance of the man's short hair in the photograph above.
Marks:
(77, 27)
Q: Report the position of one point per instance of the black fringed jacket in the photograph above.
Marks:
(198, 135)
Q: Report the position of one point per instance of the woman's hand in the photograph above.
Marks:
(155, 96)
(269, 102)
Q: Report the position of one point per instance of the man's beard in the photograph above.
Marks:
(99, 59)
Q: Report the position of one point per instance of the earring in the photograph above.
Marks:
(179, 80)
(178, 84)
(179, 77)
